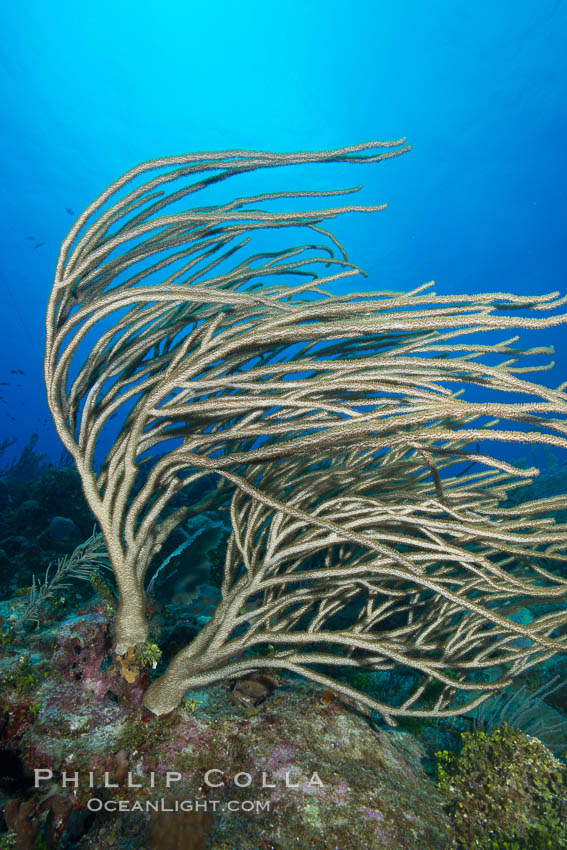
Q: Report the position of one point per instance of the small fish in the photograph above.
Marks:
(31, 237)
(326, 698)
(524, 306)
(4, 384)
(16, 372)
(39, 244)
(69, 210)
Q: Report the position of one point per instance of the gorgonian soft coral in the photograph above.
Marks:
(369, 528)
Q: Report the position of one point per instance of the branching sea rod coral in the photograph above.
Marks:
(371, 526)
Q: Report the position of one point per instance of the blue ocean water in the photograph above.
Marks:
(479, 90)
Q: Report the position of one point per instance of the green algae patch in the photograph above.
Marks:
(504, 791)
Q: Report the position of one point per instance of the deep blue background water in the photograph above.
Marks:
(90, 89)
